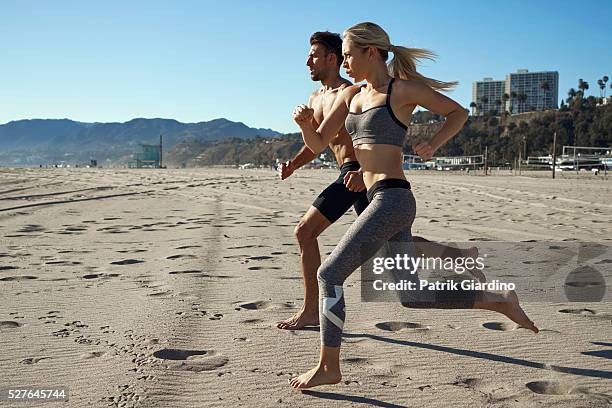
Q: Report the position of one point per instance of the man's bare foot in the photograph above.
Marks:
(475, 272)
(513, 310)
(300, 320)
(319, 375)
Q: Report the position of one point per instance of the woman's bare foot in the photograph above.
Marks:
(472, 253)
(509, 306)
(300, 320)
(319, 375)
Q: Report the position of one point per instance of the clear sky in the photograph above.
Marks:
(111, 61)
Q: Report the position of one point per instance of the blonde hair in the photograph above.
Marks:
(403, 64)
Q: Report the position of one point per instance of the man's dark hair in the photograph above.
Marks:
(331, 41)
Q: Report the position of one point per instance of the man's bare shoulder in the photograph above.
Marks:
(343, 85)
(313, 96)
(350, 90)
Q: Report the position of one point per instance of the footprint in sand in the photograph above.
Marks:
(18, 278)
(549, 387)
(385, 370)
(583, 312)
(189, 271)
(191, 360)
(181, 256)
(92, 354)
(468, 382)
(31, 228)
(206, 275)
(127, 262)
(9, 324)
(397, 326)
(159, 294)
(259, 268)
(65, 263)
(251, 321)
(355, 360)
(33, 360)
(500, 326)
(258, 305)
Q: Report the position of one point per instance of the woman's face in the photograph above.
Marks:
(355, 60)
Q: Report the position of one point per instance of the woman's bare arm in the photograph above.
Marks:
(318, 139)
(418, 93)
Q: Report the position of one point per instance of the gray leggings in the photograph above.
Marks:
(388, 218)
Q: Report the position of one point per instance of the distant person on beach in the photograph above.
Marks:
(324, 61)
(376, 116)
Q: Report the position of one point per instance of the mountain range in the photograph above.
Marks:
(27, 142)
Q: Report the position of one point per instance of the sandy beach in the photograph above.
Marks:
(162, 288)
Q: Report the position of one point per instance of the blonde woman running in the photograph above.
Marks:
(376, 116)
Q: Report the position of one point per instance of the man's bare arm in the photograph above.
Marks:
(304, 156)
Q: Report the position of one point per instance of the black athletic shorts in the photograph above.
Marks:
(336, 199)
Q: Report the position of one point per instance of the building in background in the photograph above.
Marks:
(488, 95)
(540, 90)
(522, 91)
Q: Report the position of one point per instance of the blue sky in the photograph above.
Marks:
(111, 61)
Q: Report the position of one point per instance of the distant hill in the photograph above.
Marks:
(42, 140)
(260, 151)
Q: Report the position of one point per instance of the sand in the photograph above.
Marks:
(162, 288)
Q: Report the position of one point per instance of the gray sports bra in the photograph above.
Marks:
(377, 125)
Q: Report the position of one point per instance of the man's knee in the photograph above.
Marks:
(304, 231)
(309, 228)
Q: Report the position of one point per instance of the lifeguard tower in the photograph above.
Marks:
(149, 157)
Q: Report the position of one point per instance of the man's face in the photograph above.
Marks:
(318, 62)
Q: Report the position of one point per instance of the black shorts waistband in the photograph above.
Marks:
(350, 166)
(385, 184)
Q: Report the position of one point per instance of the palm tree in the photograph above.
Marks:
(513, 97)
(602, 87)
(498, 104)
(605, 81)
(583, 86)
(545, 86)
(571, 95)
(522, 99)
(484, 100)
(472, 106)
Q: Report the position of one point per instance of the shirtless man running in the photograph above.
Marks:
(324, 61)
